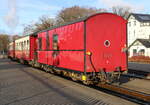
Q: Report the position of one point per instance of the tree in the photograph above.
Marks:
(4, 41)
(14, 37)
(121, 11)
(43, 23)
(65, 15)
(28, 29)
(75, 12)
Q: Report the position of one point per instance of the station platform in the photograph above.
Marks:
(139, 67)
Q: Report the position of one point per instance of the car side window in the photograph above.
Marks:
(55, 42)
(47, 41)
(40, 43)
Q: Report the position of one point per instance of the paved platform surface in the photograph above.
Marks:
(24, 85)
(139, 66)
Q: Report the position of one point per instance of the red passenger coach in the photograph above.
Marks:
(89, 49)
(23, 49)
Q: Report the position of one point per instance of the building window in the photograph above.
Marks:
(135, 23)
(134, 52)
(129, 24)
(142, 52)
(145, 24)
(141, 24)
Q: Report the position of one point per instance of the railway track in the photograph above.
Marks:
(132, 95)
(140, 97)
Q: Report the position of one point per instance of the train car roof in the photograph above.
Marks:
(75, 21)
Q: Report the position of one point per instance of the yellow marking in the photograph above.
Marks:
(83, 77)
(88, 53)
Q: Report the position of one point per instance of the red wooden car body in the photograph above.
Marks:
(88, 45)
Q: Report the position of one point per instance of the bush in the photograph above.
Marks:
(142, 59)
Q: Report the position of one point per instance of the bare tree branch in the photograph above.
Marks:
(43, 23)
(121, 11)
(75, 12)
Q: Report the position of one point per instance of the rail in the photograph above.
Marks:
(125, 91)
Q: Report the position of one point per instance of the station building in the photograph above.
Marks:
(139, 34)
(140, 47)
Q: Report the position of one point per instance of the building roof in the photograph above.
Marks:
(142, 17)
(144, 42)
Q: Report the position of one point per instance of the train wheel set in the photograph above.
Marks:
(87, 79)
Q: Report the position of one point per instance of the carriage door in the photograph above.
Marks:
(14, 49)
(55, 50)
(47, 46)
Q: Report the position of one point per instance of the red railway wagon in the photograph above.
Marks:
(11, 50)
(24, 49)
(90, 48)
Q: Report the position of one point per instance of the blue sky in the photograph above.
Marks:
(14, 14)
